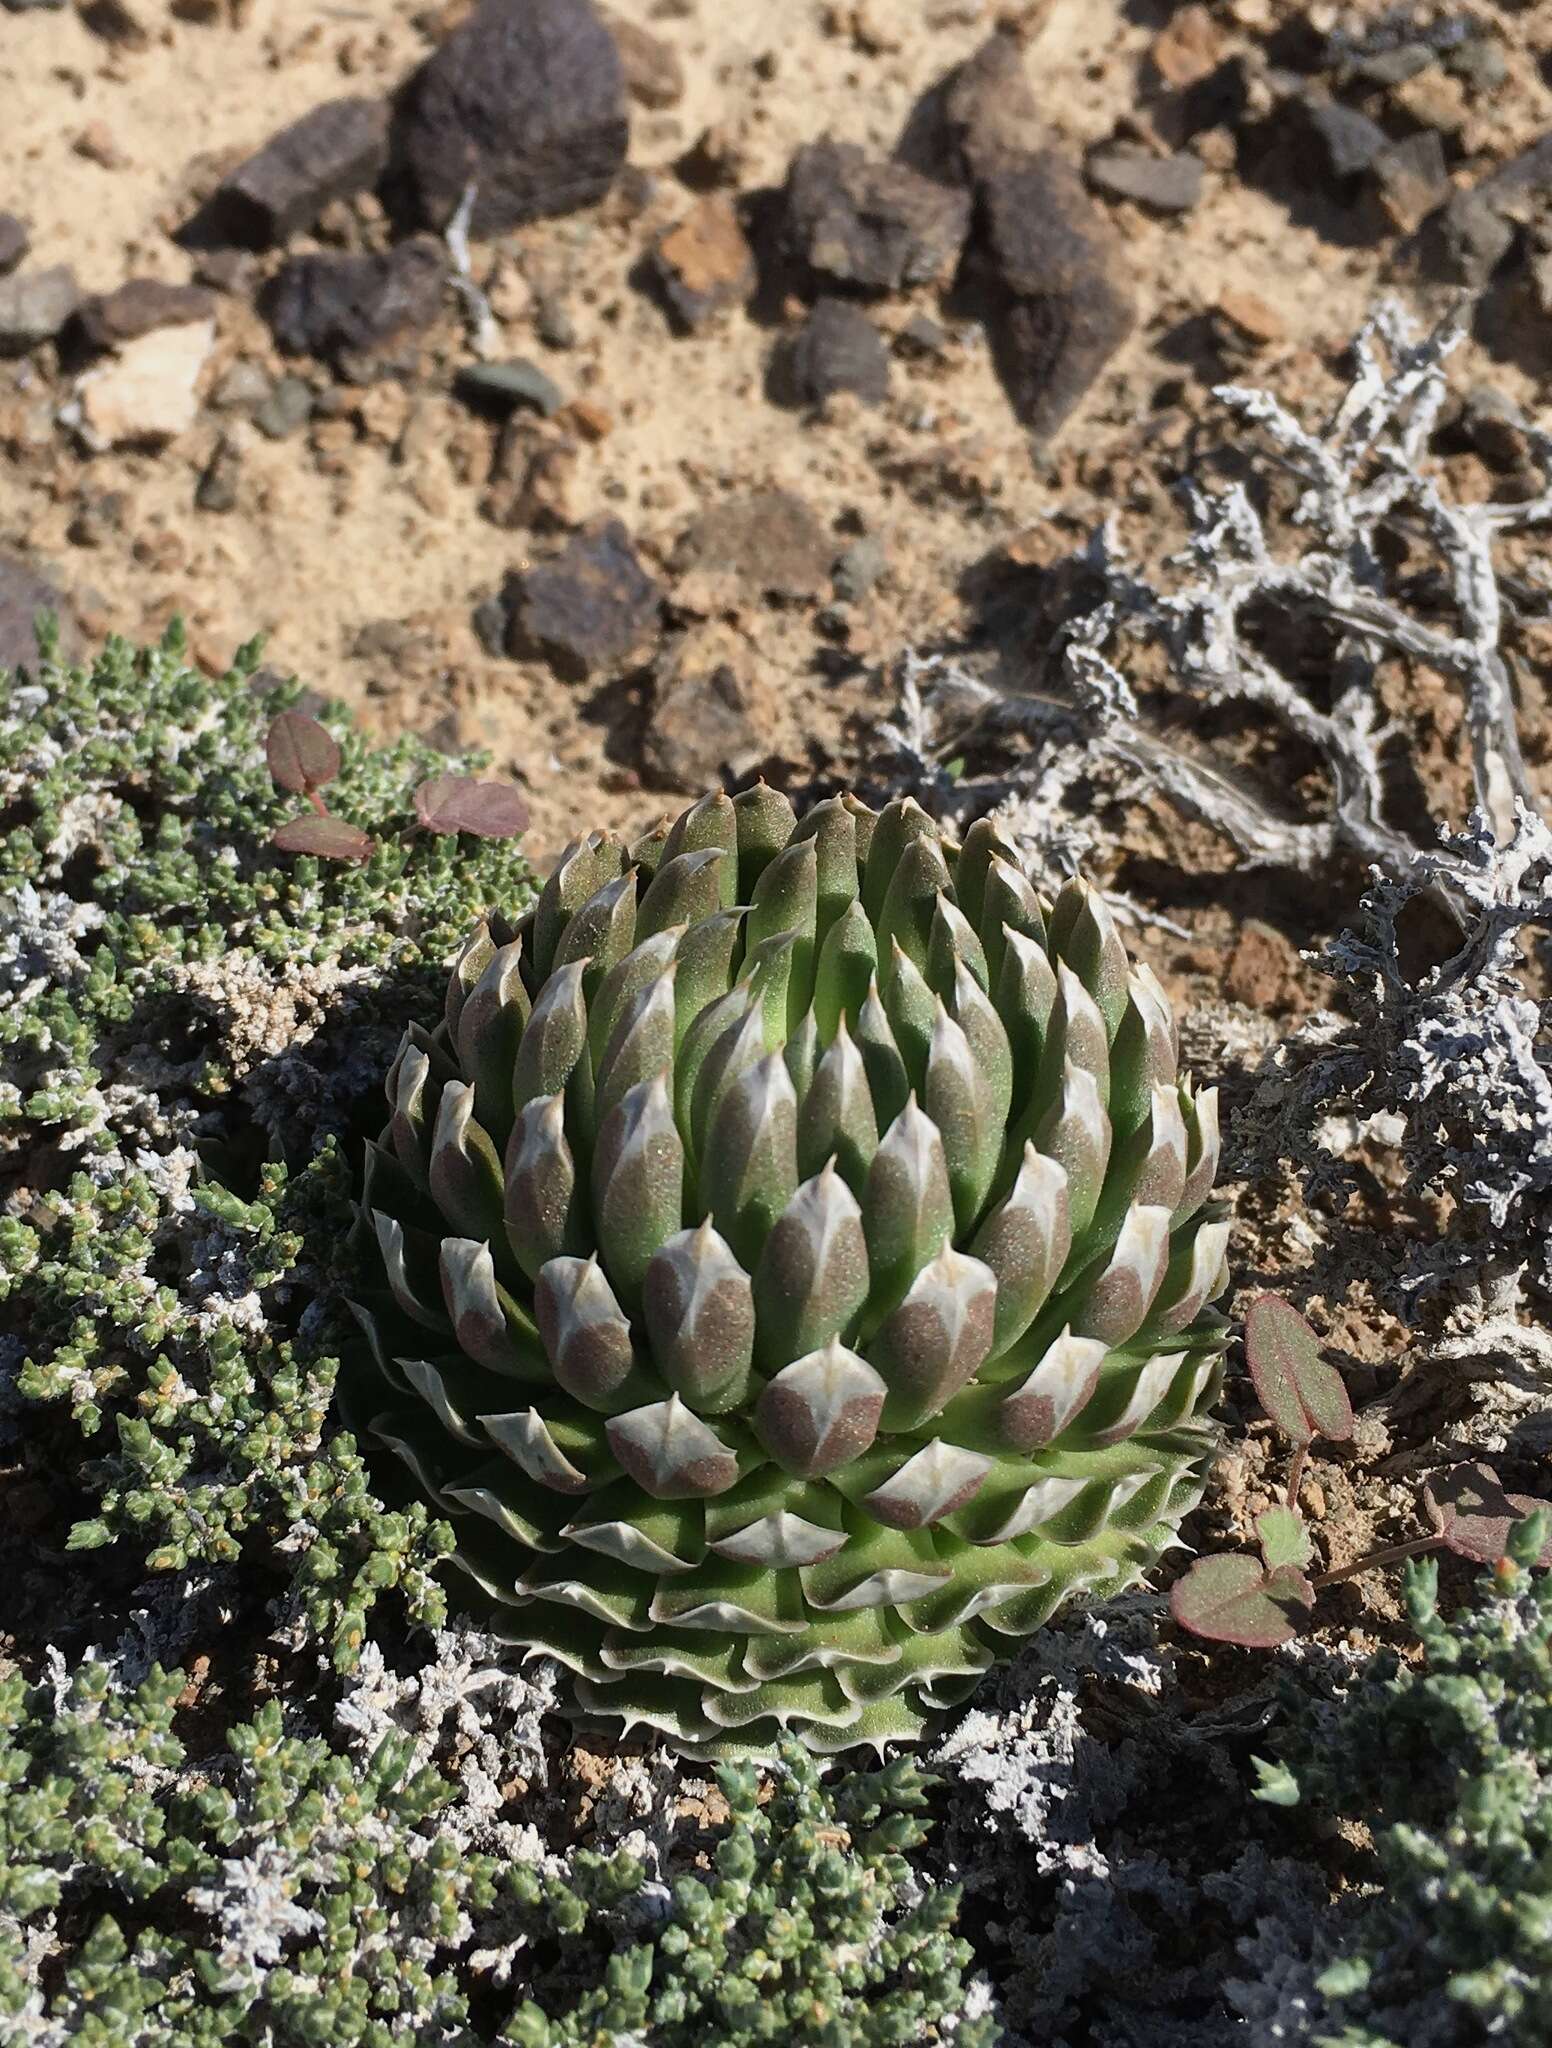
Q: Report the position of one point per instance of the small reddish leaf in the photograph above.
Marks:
(1474, 1515)
(301, 754)
(1284, 1539)
(1303, 1395)
(1236, 1600)
(461, 803)
(327, 837)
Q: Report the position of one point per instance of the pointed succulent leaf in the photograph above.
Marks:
(602, 931)
(833, 829)
(750, 1169)
(958, 1098)
(713, 822)
(1197, 1274)
(488, 1033)
(896, 827)
(953, 949)
(683, 891)
(1076, 1134)
(1114, 1305)
(465, 1172)
(835, 1116)
(765, 821)
(888, 1082)
(908, 1209)
(619, 988)
(1084, 935)
(580, 873)
(706, 958)
(845, 970)
(812, 1276)
(911, 902)
(474, 956)
(698, 1306)
(638, 1181)
(554, 1039)
(938, 1338)
(937, 1481)
(1010, 909)
(1025, 1241)
(821, 1411)
(670, 1452)
(912, 1010)
(1201, 1113)
(641, 1044)
(541, 1185)
(1053, 1395)
(487, 1322)
(585, 1331)
(984, 842)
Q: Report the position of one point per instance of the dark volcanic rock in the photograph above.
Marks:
(14, 242)
(838, 349)
(1345, 142)
(704, 264)
(1464, 242)
(987, 111)
(1412, 178)
(337, 150)
(23, 595)
(323, 305)
(654, 77)
(139, 306)
(710, 713)
(873, 223)
(34, 306)
(768, 542)
(1067, 309)
(526, 100)
(587, 607)
(1167, 184)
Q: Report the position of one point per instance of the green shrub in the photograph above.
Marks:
(192, 1026)
(1446, 1762)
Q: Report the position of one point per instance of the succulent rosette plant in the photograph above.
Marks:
(793, 1265)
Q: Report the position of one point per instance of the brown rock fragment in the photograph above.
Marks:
(711, 713)
(1068, 308)
(870, 222)
(704, 264)
(140, 305)
(525, 101)
(587, 608)
(654, 77)
(767, 543)
(337, 150)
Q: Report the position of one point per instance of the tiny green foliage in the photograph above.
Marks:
(1448, 1762)
(189, 1022)
(292, 1894)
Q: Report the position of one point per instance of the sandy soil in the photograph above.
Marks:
(357, 546)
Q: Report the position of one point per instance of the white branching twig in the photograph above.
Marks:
(1358, 476)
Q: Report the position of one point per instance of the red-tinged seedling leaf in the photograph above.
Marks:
(462, 803)
(329, 838)
(301, 754)
(1236, 1600)
(1284, 1539)
(1474, 1515)
(1303, 1395)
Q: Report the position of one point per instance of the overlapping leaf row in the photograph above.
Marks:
(792, 1303)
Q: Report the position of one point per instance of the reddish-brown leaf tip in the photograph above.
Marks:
(301, 754)
(1303, 1395)
(1474, 1514)
(1235, 1599)
(462, 803)
(327, 837)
